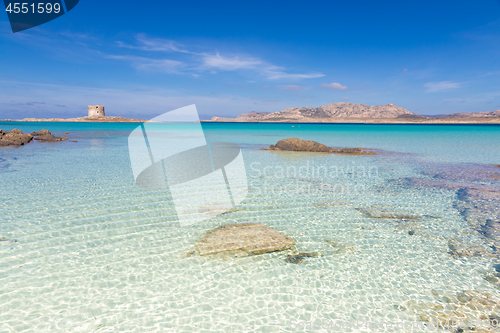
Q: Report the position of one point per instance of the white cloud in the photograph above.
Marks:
(148, 64)
(229, 64)
(334, 85)
(203, 61)
(441, 86)
(154, 44)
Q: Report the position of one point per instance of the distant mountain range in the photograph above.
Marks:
(346, 111)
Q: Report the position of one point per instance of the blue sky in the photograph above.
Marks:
(141, 59)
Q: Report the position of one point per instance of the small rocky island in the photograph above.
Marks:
(17, 138)
(295, 144)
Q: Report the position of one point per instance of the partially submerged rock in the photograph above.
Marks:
(14, 138)
(242, 240)
(295, 144)
(45, 136)
(17, 138)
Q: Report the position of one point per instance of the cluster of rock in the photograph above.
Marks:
(477, 200)
(17, 138)
(464, 311)
(295, 144)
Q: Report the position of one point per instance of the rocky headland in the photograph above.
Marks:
(17, 138)
(360, 113)
(295, 144)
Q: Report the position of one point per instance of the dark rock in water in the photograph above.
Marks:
(14, 138)
(242, 240)
(497, 267)
(463, 172)
(459, 249)
(411, 232)
(463, 297)
(41, 132)
(491, 279)
(50, 138)
(399, 307)
(299, 258)
(17, 138)
(385, 213)
(45, 136)
(339, 247)
(295, 144)
(478, 203)
(353, 151)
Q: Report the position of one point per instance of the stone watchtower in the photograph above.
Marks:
(96, 111)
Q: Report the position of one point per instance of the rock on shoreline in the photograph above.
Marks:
(17, 138)
(295, 144)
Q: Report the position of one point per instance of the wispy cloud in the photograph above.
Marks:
(154, 44)
(292, 87)
(229, 63)
(441, 86)
(199, 62)
(334, 85)
(489, 74)
(149, 64)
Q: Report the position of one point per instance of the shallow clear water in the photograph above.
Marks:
(85, 249)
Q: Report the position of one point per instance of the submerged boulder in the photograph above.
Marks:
(386, 213)
(242, 240)
(301, 257)
(295, 144)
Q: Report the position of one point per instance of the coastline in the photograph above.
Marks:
(107, 119)
(470, 120)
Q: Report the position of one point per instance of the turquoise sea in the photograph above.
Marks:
(407, 238)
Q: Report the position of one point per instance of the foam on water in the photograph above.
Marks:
(86, 250)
